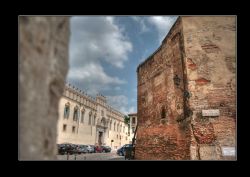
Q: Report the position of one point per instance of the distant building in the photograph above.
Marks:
(87, 120)
(133, 123)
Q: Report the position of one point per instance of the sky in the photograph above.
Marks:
(104, 53)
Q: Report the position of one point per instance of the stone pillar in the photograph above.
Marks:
(43, 65)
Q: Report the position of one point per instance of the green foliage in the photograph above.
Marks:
(126, 119)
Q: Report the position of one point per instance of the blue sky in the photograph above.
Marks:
(105, 51)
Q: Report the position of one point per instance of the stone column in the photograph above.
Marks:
(43, 65)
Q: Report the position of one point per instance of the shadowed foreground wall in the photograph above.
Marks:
(43, 65)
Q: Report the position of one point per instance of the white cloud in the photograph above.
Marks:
(120, 102)
(142, 22)
(94, 41)
(117, 88)
(162, 24)
(93, 72)
(96, 38)
(93, 79)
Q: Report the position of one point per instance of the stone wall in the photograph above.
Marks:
(211, 66)
(193, 70)
(43, 65)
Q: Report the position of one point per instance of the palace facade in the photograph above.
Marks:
(87, 120)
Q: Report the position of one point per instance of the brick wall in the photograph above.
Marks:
(161, 104)
(200, 53)
(210, 58)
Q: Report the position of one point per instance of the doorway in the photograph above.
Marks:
(100, 135)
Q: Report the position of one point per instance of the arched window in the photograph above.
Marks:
(90, 113)
(103, 122)
(114, 126)
(82, 115)
(133, 120)
(76, 114)
(94, 119)
(110, 125)
(66, 110)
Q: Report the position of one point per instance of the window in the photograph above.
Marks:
(64, 127)
(114, 126)
(133, 129)
(117, 136)
(73, 129)
(82, 116)
(94, 120)
(75, 115)
(133, 120)
(163, 113)
(66, 111)
(89, 119)
(110, 125)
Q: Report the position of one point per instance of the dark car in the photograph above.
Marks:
(121, 151)
(65, 148)
(61, 149)
(73, 149)
(106, 149)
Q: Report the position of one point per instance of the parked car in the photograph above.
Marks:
(98, 149)
(91, 148)
(106, 149)
(82, 149)
(65, 148)
(73, 149)
(121, 151)
(61, 149)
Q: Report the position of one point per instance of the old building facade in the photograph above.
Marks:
(87, 120)
(132, 127)
(187, 93)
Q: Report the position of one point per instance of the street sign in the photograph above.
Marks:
(228, 151)
(211, 112)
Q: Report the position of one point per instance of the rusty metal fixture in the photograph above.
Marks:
(177, 80)
(187, 94)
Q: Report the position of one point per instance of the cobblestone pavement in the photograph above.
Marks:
(93, 156)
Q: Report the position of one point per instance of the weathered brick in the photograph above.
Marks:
(193, 69)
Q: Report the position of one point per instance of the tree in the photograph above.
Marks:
(126, 119)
